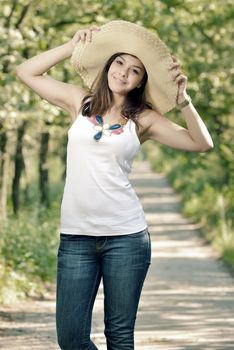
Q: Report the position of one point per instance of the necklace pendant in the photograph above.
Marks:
(115, 126)
(97, 127)
(106, 126)
(99, 119)
(97, 136)
(106, 132)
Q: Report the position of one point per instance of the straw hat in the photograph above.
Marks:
(122, 36)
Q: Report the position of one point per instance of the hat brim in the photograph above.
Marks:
(120, 36)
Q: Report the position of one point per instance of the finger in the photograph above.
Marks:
(76, 37)
(181, 78)
(176, 75)
(176, 79)
(89, 35)
(173, 58)
(94, 28)
(176, 72)
(173, 65)
(82, 36)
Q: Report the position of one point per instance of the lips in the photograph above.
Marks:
(123, 82)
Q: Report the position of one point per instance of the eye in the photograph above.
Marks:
(135, 71)
(119, 62)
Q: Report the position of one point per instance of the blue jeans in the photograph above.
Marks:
(122, 262)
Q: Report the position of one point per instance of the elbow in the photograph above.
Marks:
(207, 147)
(23, 76)
(19, 72)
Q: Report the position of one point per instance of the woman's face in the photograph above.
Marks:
(125, 74)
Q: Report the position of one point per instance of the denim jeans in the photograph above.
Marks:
(122, 263)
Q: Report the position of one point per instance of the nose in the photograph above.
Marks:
(123, 72)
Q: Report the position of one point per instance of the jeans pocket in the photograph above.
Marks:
(64, 237)
(139, 233)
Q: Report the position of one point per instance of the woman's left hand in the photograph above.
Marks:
(180, 79)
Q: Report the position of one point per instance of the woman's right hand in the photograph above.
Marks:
(83, 35)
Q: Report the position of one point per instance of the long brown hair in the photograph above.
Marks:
(100, 98)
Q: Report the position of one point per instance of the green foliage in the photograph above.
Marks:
(28, 247)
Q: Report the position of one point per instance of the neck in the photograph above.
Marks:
(117, 104)
(118, 100)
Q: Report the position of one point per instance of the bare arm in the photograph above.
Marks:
(31, 72)
(196, 137)
(197, 129)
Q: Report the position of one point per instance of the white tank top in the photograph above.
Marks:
(98, 199)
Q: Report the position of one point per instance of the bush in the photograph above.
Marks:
(28, 248)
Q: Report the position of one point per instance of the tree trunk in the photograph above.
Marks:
(19, 166)
(3, 173)
(63, 156)
(43, 169)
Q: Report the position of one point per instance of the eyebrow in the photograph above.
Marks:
(132, 64)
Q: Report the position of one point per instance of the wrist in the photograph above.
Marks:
(69, 47)
(182, 97)
(184, 102)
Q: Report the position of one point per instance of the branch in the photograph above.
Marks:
(8, 19)
(23, 14)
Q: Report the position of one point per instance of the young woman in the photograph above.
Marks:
(133, 80)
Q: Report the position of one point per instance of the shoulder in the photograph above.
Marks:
(149, 115)
(146, 119)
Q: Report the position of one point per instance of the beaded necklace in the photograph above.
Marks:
(104, 128)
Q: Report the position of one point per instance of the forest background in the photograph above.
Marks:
(33, 134)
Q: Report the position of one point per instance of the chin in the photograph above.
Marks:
(117, 90)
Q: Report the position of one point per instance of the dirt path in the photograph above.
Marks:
(188, 297)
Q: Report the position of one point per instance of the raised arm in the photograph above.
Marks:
(32, 73)
(195, 138)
